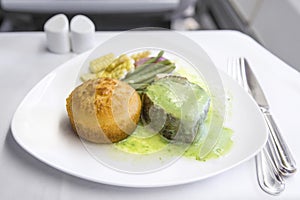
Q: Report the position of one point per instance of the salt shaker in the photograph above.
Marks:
(57, 33)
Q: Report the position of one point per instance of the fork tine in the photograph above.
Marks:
(238, 72)
(243, 74)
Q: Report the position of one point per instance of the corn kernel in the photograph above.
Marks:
(119, 68)
(101, 63)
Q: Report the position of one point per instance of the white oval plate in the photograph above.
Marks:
(41, 126)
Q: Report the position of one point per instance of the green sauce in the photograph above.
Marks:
(143, 141)
(172, 97)
(222, 147)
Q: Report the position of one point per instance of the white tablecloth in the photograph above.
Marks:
(24, 60)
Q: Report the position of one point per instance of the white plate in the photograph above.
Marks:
(40, 125)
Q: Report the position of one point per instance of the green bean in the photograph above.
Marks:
(151, 74)
(165, 62)
(152, 60)
(146, 64)
(154, 67)
(152, 78)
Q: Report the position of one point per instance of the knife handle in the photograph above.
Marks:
(282, 156)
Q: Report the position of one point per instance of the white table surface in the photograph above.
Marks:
(24, 60)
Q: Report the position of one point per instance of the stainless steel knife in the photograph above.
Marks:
(281, 153)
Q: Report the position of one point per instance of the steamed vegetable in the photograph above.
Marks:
(138, 70)
(119, 68)
(101, 63)
(146, 72)
(106, 67)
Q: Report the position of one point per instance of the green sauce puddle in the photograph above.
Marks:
(142, 141)
(221, 148)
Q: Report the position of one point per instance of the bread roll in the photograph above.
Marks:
(104, 110)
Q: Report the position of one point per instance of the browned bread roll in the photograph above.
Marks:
(104, 110)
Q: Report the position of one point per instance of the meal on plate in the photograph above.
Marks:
(142, 102)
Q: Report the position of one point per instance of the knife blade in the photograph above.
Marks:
(282, 156)
(255, 89)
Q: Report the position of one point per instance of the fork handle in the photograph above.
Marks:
(268, 177)
(283, 158)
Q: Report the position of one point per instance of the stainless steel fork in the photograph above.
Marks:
(268, 176)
